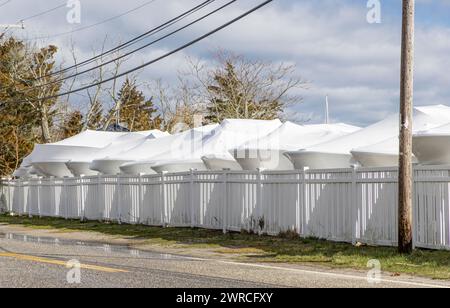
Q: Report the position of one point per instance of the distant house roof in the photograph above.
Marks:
(117, 128)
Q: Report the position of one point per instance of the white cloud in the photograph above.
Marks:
(356, 63)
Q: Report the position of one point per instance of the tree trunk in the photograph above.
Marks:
(46, 137)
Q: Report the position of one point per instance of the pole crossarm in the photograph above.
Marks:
(13, 26)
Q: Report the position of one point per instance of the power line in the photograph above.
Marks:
(95, 24)
(43, 13)
(199, 39)
(130, 42)
(22, 20)
(135, 50)
(5, 3)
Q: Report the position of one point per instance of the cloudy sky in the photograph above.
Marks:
(330, 41)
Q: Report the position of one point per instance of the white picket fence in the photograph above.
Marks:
(346, 205)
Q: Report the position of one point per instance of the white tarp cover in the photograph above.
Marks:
(268, 152)
(71, 147)
(123, 144)
(118, 147)
(385, 153)
(443, 130)
(25, 168)
(432, 146)
(214, 149)
(382, 154)
(50, 159)
(337, 153)
(22, 172)
(141, 158)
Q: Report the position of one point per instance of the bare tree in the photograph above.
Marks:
(237, 87)
(97, 97)
(177, 104)
(113, 90)
(95, 110)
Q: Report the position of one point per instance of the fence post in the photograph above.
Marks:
(65, 195)
(106, 210)
(26, 191)
(2, 193)
(225, 202)
(163, 200)
(304, 206)
(31, 182)
(11, 194)
(192, 205)
(10, 187)
(259, 200)
(52, 189)
(119, 199)
(414, 209)
(8, 198)
(354, 203)
(298, 205)
(83, 208)
(21, 203)
(139, 211)
(100, 199)
(39, 197)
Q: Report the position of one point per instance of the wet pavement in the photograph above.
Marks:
(94, 246)
(27, 260)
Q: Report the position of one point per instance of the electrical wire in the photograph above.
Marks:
(130, 42)
(43, 12)
(5, 3)
(35, 15)
(135, 50)
(95, 24)
(199, 39)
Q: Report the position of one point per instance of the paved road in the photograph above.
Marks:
(41, 262)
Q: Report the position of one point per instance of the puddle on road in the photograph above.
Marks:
(106, 248)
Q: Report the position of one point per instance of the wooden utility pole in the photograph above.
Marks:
(405, 181)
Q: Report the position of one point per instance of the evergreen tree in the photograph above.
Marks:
(136, 112)
(22, 69)
(17, 121)
(233, 96)
(72, 125)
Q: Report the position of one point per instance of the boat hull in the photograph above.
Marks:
(317, 160)
(107, 167)
(52, 169)
(432, 150)
(179, 167)
(374, 160)
(80, 169)
(137, 168)
(253, 160)
(218, 164)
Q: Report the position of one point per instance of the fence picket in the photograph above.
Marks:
(349, 205)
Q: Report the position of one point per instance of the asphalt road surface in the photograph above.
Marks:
(43, 262)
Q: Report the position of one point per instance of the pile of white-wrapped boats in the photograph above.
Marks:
(243, 145)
